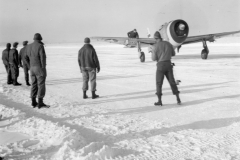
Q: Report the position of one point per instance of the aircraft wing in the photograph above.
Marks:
(122, 40)
(118, 40)
(150, 41)
(208, 37)
(194, 39)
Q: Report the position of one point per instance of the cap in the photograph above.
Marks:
(87, 40)
(25, 43)
(15, 44)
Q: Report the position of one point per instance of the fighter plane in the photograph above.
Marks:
(175, 32)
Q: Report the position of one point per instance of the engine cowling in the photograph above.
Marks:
(175, 32)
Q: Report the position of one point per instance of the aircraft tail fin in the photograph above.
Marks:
(149, 34)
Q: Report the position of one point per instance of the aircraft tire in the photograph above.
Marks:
(204, 54)
(142, 57)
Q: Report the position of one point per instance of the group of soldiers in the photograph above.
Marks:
(31, 57)
(12, 61)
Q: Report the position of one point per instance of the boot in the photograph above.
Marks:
(178, 99)
(15, 83)
(85, 95)
(34, 102)
(10, 82)
(41, 104)
(94, 95)
(159, 103)
(27, 83)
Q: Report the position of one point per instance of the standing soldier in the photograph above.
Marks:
(162, 53)
(36, 58)
(89, 64)
(23, 63)
(5, 59)
(14, 64)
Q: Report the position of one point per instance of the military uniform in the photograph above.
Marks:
(89, 65)
(36, 58)
(23, 63)
(13, 62)
(5, 59)
(162, 53)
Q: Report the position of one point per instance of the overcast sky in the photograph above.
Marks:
(72, 20)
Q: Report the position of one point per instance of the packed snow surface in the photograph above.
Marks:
(123, 123)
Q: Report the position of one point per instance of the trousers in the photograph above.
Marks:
(38, 77)
(9, 75)
(89, 74)
(14, 71)
(165, 69)
(26, 69)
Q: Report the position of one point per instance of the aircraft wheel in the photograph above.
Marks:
(204, 54)
(142, 57)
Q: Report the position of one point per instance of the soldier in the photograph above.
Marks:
(89, 64)
(36, 58)
(14, 64)
(23, 63)
(162, 53)
(133, 34)
(5, 59)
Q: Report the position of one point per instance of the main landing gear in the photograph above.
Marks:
(141, 54)
(205, 51)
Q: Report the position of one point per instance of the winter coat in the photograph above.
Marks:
(162, 51)
(35, 55)
(87, 57)
(5, 57)
(21, 59)
(13, 57)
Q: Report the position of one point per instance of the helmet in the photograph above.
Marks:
(37, 36)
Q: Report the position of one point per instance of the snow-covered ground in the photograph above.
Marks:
(123, 123)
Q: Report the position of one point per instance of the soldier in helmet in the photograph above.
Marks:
(14, 64)
(162, 53)
(5, 59)
(36, 58)
(23, 63)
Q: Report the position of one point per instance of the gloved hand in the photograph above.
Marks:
(98, 70)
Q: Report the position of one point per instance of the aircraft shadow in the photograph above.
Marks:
(208, 124)
(99, 101)
(154, 91)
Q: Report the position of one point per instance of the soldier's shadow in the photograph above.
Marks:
(206, 124)
(152, 108)
(99, 78)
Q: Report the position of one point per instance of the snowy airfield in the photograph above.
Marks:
(123, 123)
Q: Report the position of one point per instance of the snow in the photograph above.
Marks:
(123, 123)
